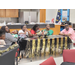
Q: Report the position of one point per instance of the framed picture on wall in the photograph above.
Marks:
(65, 15)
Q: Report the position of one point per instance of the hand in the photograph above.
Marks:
(15, 42)
(26, 30)
(34, 34)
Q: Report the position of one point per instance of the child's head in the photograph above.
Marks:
(15, 31)
(2, 35)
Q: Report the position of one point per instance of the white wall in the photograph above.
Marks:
(51, 13)
(72, 15)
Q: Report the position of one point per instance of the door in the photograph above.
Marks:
(2, 12)
(11, 12)
(42, 15)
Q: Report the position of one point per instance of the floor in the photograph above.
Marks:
(58, 60)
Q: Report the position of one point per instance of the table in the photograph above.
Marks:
(8, 58)
(67, 63)
(51, 45)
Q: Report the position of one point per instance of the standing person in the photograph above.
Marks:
(9, 39)
(48, 30)
(34, 29)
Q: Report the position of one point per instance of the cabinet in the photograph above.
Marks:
(11, 12)
(28, 16)
(8, 12)
(42, 15)
(2, 12)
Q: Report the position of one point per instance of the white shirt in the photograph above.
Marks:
(2, 42)
(22, 35)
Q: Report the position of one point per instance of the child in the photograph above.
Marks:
(15, 33)
(2, 38)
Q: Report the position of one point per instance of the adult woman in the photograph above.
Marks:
(9, 39)
(34, 29)
(24, 32)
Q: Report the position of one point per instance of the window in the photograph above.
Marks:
(65, 15)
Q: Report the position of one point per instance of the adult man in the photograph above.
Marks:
(68, 32)
(48, 30)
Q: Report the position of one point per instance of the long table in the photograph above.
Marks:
(8, 58)
(51, 45)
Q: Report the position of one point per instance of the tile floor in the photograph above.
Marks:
(58, 60)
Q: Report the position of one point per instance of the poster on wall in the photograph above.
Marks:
(64, 13)
(64, 16)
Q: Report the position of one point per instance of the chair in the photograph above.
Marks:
(16, 56)
(69, 55)
(49, 61)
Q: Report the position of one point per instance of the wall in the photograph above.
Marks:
(72, 15)
(51, 13)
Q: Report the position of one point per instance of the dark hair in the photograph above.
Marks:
(35, 26)
(22, 26)
(1, 33)
(3, 28)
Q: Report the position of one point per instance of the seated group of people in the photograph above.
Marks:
(7, 38)
(24, 32)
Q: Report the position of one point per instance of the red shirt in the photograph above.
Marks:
(33, 32)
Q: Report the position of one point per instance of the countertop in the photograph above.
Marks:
(29, 26)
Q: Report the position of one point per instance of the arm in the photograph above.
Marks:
(29, 33)
(11, 38)
(52, 32)
(62, 32)
(67, 34)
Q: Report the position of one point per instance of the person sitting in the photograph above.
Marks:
(68, 32)
(9, 39)
(48, 30)
(2, 38)
(24, 32)
(34, 29)
(15, 34)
